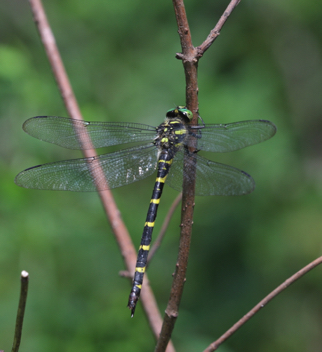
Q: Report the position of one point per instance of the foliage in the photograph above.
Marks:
(120, 57)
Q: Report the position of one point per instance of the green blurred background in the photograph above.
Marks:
(120, 56)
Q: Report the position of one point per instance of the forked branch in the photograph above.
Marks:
(190, 57)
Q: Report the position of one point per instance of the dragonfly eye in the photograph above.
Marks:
(180, 111)
(185, 113)
(172, 113)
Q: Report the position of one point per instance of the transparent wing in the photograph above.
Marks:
(233, 136)
(67, 132)
(120, 168)
(212, 179)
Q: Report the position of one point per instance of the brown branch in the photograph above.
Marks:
(190, 57)
(216, 31)
(262, 304)
(118, 227)
(190, 68)
(24, 278)
(157, 242)
(183, 27)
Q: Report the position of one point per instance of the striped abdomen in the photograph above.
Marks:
(164, 164)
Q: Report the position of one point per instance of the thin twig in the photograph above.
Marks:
(190, 57)
(157, 242)
(24, 278)
(216, 31)
(118, 227)
(263, 303)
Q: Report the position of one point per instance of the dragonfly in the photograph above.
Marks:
(162, 148)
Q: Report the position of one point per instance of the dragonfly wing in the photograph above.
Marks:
(120, 168)
(233, 136)
(69, 132)
(212, 179)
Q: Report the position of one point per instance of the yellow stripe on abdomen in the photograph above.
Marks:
(155, 201)
(140, 270)
(149, 224)
(160, 179)
(166, 161)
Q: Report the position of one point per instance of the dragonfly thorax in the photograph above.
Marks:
(171, 134)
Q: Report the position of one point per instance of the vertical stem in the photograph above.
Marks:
(21, 310)
(190, 67)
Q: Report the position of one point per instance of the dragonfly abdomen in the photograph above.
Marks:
(164, 163)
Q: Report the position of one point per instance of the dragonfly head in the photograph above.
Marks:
(181, 112)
